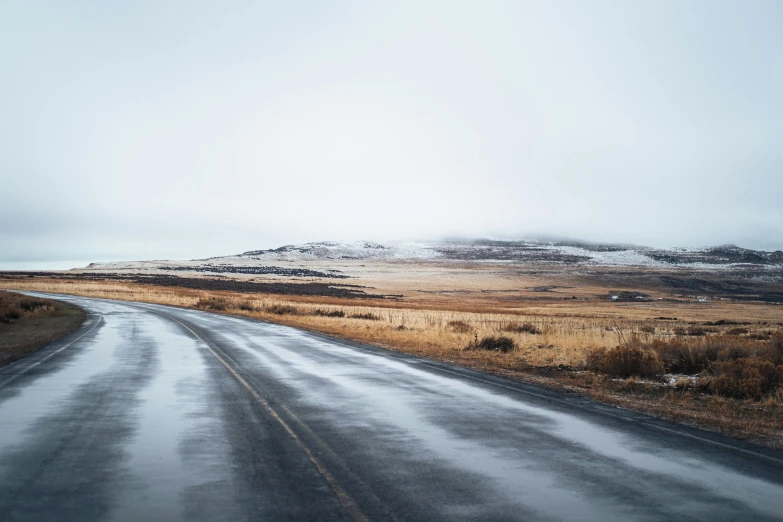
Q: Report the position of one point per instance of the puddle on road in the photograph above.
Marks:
(165, 413)
(168, 413)
(24, 404)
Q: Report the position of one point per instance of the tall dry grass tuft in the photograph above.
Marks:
(680, 355)
(746, 378)
(329, 313)
(213, 303)
(529, 328)
(728, 366)
(629, 360)
(15, 306)
(492, 343)
(282, 309)
(366, 316)
(459, 326)
(247, 306)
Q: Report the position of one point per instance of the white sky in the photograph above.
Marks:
(189, 129)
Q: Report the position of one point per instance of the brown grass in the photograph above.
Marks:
(16, 306)
(459, 326)
(29, 323)
(329, 313)
(217, 303)
(745, 378)
(500, 343)
(282, 309)
(519, 328)
(728, 366)
(626, 361)
(776, 349)
(367, 316)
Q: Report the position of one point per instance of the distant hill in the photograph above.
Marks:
(279, 261)
(523, 251)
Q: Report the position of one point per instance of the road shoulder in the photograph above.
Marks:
(36, 329)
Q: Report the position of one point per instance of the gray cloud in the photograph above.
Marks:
(187, 129)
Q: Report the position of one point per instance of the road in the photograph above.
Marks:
(156, 413)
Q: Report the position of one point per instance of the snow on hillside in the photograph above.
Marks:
(522, 251)
(483, 250)
(347, 250)
(628, 257)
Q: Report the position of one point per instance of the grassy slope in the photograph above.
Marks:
(37, 328)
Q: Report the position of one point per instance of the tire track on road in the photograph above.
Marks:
(346, 499)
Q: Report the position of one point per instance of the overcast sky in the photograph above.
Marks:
(139, 130)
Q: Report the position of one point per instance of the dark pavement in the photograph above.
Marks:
(156, 413)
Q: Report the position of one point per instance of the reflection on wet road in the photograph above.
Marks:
(156, 413)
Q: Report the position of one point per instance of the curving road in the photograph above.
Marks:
(156, 413)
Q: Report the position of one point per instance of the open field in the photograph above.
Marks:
(560, 324)
(27, 324)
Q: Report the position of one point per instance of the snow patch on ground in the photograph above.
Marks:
(611, 258)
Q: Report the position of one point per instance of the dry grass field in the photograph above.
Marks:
(666, 354)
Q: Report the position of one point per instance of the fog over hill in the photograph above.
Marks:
(567, 253)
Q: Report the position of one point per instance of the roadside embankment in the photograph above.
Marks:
(28, 324)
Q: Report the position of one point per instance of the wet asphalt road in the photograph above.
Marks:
(155, 413)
